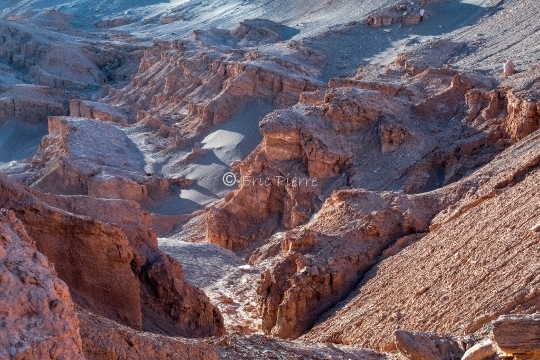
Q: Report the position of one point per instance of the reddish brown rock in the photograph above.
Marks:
(426, 346)
(476, 263)
(195, 90)
(328, 141)
(312, 268)
(183, 183)
(111, 23)
(104, 339)
(37, 316)
(125, 278)
(99, 111)
(518, 335)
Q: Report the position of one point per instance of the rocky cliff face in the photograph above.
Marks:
(365, 133)
(37, 316)
(115, 267)
(187, 87)
(490, 251)
(68, 162)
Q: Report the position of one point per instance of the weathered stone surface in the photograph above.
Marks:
(481, 351)
(31, 103)
(114, 267)
(37, 316)
(465, 272)
(99, 111)
(105, 339)
(198, 89)
(518, 335)
(69, 161)
(426, 346)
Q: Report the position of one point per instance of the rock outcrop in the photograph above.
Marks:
(104, 339)
(360, 133)
(190, 86)
(454, 273)
(99, 111)
(114, 266)
(37, 315)
(31, 103)
(426, 346)
(312, 268)
(518, 335)
(68, 162)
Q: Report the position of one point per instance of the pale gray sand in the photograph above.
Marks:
(19, 140)
(225, 278)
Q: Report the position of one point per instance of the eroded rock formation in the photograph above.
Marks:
(475, 258)
(115, 268)
(37, 316)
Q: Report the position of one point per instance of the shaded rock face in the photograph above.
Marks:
(111, 23)
(67, 240)
(31, 103)
(48, 62)
(99, 111)
(261, 31)
(43, 59)
(454, 273)
(113, 266)
(37, 316)
(363, 132)
(312, 268)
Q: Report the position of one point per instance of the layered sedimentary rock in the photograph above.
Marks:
(518, 335)
(454, 273)
(337, 138)
(114, 267)
(31, 103)
(314, 267)
(99, 111)
(69, 162)
(48, 60)
(189, 86)
(37, 315)
(361, 132)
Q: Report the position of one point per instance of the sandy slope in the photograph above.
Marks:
(19, 140)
